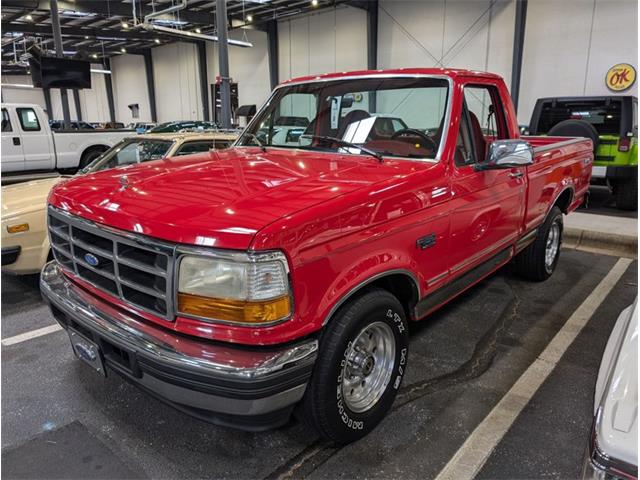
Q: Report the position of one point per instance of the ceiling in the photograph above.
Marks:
(102, 28)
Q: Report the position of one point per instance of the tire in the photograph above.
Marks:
(532, 262)
(90, 155)
(576, 128)
(331, 404)
(625, 192)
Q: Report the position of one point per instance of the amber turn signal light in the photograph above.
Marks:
(23, 227)
(235, 310)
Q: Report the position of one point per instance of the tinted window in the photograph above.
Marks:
(222, 144)
(194, 147)
(6, 121)
(604, 115)
(28, 119)
(130, 152)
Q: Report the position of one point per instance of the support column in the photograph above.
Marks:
(204, 83)
(272, 45)
(518, 47)
(76, 100)
(57, 39)
(223, 54)
(47, 102)
(151, 86)
(372, 35)
(109, 88)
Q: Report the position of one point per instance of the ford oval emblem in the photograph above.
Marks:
(85, 352)
(91, 259)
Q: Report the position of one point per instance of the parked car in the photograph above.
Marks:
(112, 126)
(141, 127)
(613, 446)
(240, 285)
(75, 125)
(170, 127)
(28, 143)
(25, 245)
(612, 123)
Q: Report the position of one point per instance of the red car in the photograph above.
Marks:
(237, 285)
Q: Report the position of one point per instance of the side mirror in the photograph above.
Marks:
(507, 154)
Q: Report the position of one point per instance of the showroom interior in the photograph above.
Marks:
(273, 239)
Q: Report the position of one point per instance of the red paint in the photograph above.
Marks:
(340, 219)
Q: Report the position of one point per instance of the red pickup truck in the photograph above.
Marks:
(283, 273)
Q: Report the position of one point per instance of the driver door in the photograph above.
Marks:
(487, 207)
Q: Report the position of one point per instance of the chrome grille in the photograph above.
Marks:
(131, 267)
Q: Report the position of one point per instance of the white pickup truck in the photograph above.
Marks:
(28, 143)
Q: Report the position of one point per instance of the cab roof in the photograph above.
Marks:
(449, 72)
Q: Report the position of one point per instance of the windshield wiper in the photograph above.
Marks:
(344, 143)
(256, 139)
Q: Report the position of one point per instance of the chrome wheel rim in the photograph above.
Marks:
(553, 245)
(367, 370)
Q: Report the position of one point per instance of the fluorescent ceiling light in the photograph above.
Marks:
(201, 36)
(166, 21)
(74, 13)
(98, 70)
(16, 85)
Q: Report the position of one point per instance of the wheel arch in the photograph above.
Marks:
(99, 147)
(564, 200)
(399, 282)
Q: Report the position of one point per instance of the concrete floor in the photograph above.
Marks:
(61, 420)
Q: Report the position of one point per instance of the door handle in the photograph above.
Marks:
(516, 174)
(16, 140)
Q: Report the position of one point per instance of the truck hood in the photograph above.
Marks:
(218, 199)
(22, 198)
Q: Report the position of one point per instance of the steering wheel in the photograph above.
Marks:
(412, 131)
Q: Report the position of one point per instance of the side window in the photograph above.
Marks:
(28, 119)
(222, 144)
(6, 121)
(485, 117)
(193, 147)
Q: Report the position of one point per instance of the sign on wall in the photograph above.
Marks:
(620, 77)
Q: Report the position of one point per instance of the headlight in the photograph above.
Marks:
(242, 288)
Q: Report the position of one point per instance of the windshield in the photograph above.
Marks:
(128, 152)
(171, 127)
(604, 115)
(399, 117)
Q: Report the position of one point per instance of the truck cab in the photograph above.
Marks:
(27, 141)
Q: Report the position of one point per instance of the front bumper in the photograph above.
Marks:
(248, 388)
(10, 255)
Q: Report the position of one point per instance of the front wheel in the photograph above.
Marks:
(538, 261)
(363, 357)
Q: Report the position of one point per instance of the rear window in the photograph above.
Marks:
(604, 116)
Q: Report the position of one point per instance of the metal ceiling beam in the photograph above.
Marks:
(141, 35)
(105, 8)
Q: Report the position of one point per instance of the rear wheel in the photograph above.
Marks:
(625, 191)
(359, 370)
(538, 261)
(90, 155)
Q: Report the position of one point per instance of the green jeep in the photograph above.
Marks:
(612, 123)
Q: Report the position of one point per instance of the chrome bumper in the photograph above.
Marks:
(196, 376)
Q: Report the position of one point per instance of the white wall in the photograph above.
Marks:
(570, 45)
(93, 102)
(175, 71)
(249, 67)
(475, 34)
(129, 82)
(21, 95)
(327, 41)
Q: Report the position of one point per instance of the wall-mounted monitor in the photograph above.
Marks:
(54, 72)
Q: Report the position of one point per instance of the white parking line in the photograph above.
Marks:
(475, 451)
(23, 337)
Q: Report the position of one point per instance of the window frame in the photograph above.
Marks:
(5, 111)
(19, 111)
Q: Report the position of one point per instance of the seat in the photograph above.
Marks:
(479, 142)
(351, 117)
